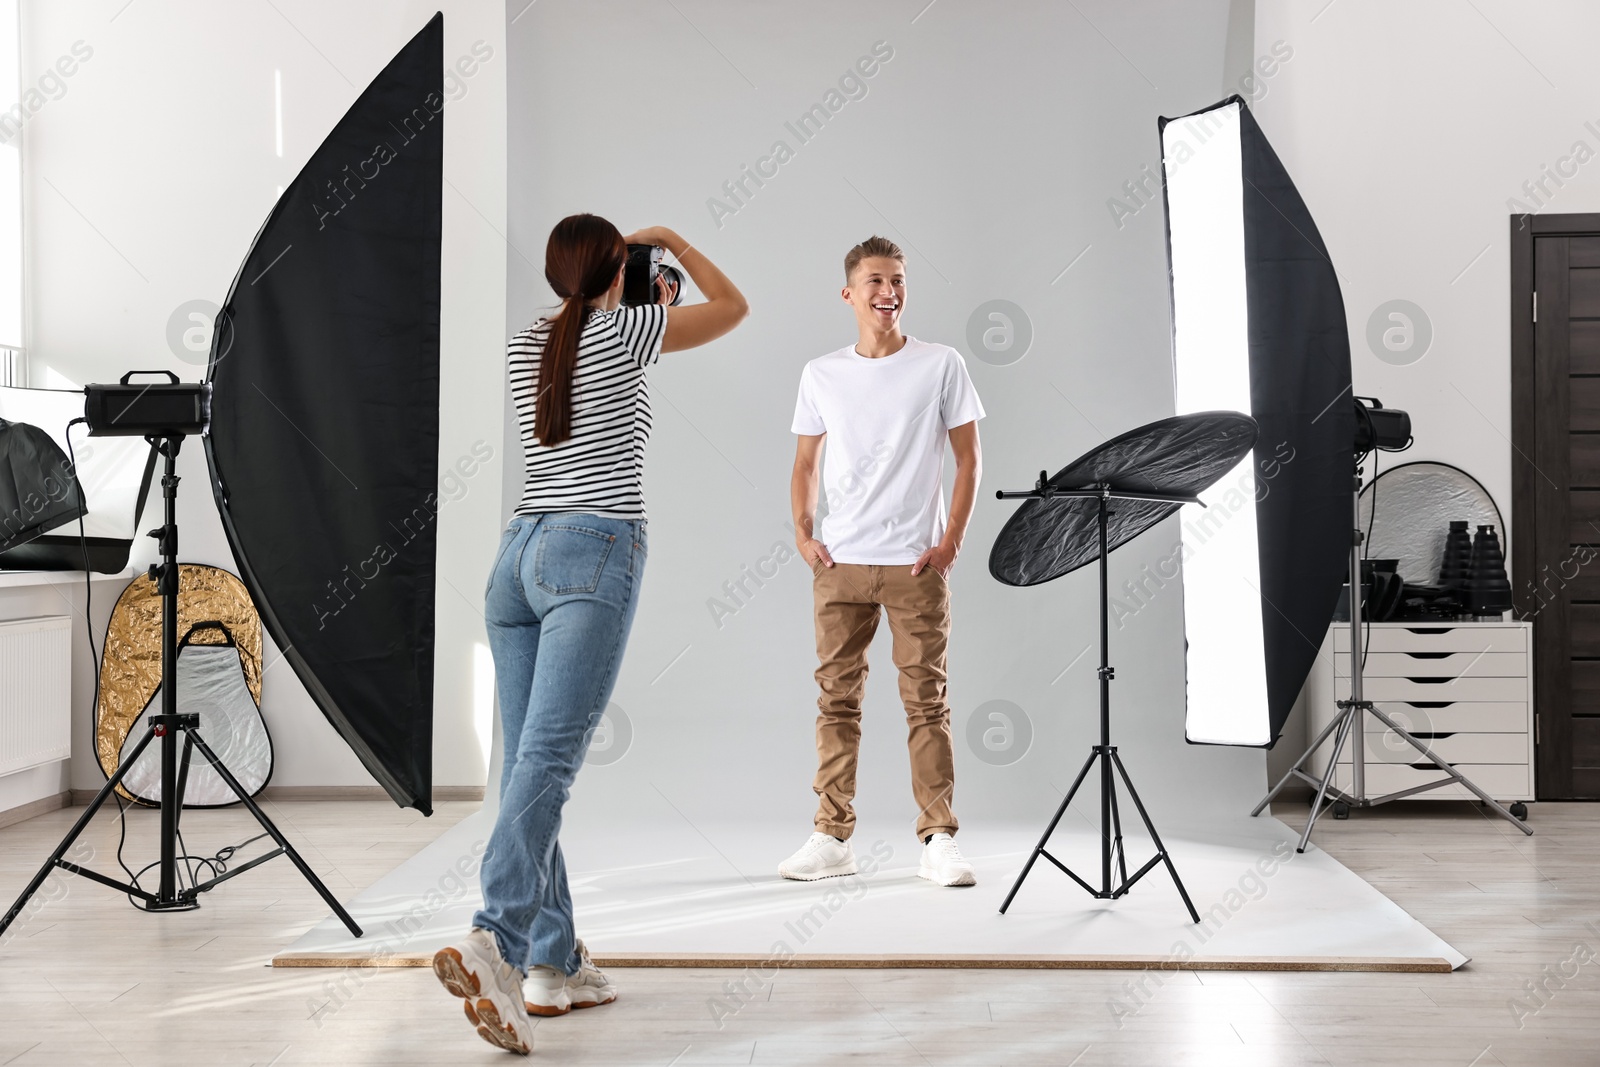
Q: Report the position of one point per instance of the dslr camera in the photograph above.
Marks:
(639, 276)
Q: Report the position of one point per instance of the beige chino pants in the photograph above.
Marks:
(849, 600)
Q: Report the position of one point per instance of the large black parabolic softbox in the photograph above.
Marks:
(325, 419)
(1258, 325)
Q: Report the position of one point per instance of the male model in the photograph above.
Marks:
(885, 406)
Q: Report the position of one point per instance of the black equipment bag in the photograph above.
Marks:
(38, 487)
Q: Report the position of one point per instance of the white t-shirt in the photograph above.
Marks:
(887, 422)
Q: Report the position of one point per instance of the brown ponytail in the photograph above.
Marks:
(581, 261)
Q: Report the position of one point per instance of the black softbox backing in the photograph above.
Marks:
(1300, 393)
(1300, 396)
(325, 419)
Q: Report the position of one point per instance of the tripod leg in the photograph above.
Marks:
(177, 796)
(283, 842)
(1116, 826)
(1108, 792)
(78, 828)
(1344, 722)
(1449, 769)
(1048, 830)
(1161, 850)
(183, 770)
(1298, 764)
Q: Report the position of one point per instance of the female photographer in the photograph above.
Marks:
(561, 598)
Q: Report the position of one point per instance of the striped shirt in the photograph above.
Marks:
(599, 470)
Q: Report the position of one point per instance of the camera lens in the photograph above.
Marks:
(674, 278)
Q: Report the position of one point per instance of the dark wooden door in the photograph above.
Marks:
(1556, 506)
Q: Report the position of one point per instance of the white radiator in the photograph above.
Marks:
(35, 692)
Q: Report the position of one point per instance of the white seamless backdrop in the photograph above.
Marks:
(991, 142)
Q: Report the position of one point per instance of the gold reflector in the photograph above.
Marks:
(130, 663)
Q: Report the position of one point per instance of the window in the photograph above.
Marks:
(13, 366)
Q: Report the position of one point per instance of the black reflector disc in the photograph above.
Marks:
(1186, 454)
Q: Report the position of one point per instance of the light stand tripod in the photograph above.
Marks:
(169, 896)
(1105, 753)
(1352, 720)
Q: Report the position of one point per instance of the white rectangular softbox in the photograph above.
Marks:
(1258, 326)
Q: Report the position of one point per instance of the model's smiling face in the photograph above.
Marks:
(877, 291)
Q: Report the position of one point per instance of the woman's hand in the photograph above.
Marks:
(666, 292)
(656, 235)
(692, 325)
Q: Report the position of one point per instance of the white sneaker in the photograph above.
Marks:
(490, 988)
(550, 992)
(822, 856)
(544, 992)
(589, 987)
(942, 862)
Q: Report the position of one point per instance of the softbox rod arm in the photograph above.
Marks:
(1108, 812)
(165, 575)
(1358, 725)
(1043, 490)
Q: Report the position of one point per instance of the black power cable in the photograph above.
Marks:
(94, 653)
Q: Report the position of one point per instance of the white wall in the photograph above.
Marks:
(989, 147)
(1408, 128)
(145, 182)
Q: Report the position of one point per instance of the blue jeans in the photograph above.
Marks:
(560, 602)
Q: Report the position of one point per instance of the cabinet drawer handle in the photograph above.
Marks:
(1429, 703)
(1430, 629)
(1430, 681)
(1430, 655)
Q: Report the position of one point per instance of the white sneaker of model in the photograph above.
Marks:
(822, 856)
(943, 863)
(490, 988)
(548, 991)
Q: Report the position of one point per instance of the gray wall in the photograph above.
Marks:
(990, 147)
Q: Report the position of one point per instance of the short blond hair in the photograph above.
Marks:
(872, 246)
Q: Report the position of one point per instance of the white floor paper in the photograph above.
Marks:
(645, 892)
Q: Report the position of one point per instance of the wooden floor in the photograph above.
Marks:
(86, 979)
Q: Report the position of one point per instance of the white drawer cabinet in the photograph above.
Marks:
(1438, 666)
(1425, 689)
(1463, 688)
(1440, 637)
